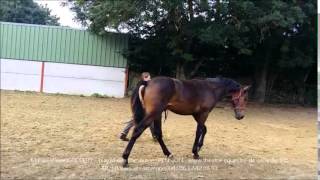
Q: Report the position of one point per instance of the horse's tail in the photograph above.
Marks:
(137, 108)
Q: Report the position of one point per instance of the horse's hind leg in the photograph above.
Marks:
(138, 130)
(158, 133)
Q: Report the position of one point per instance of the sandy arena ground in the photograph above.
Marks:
(71, 137)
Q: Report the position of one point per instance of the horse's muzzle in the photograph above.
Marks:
(238, 114)
(240, 117)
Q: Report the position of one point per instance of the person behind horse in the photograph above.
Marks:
(135, 105)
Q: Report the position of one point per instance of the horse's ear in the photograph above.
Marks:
(246, 88)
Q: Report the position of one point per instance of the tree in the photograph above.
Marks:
(191, 36)
(26, 11)
(259, 29)
(146, 19)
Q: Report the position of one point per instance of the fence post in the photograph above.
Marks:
(42, 77)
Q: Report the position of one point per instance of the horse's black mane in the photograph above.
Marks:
(229, 83)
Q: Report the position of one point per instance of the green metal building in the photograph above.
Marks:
(61, 45)
(53, 46)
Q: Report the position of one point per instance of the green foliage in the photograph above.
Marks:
(26, 11)
(209, 37)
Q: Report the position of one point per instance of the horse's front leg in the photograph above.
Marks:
(201, 139)
(200, 133)
(138, 130)
(196, 142)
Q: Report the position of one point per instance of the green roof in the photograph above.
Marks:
(61, 45)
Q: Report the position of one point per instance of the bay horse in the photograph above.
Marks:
(190, 97)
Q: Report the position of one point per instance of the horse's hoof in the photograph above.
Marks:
(170, 156)
(125, 164)
(196, 156)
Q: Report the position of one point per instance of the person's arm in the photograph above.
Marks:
(140, 94)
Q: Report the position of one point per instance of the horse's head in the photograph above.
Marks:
(239, 99)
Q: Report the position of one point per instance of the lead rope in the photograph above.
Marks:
(165, 115)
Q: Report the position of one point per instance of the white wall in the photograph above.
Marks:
(62, 78)
(83, 79)
(20, 75)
